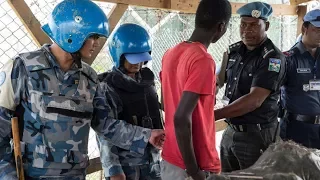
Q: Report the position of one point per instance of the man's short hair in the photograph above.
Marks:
(306, 24)
(211, 12)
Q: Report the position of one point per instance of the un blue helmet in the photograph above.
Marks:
(132, 41)
(73, 21)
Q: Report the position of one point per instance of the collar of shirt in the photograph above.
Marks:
(61, 75)
(243, 49)
(303, 50)
(53, 61)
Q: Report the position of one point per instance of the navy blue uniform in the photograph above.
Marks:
(249, 135)
(301, 101)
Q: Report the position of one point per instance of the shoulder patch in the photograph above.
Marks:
(274, 65)
(288, 53)
(2, 77)
(6, 90)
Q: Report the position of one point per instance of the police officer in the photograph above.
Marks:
(301, 91)
(136, 102)
(253, 69)
(56, 97)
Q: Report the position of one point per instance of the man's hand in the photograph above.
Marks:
(157, 138)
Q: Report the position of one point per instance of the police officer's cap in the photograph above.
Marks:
(313, 17)
(258, 10)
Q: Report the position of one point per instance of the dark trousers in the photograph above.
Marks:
(240, 150)
(303, 133)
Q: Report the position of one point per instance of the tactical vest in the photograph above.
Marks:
(139, 106)
(56, 116)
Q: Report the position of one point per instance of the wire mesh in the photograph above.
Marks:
(165, 27)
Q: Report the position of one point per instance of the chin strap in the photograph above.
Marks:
(77, 58)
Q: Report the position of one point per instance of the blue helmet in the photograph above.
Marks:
(72, 22)
(132, 41)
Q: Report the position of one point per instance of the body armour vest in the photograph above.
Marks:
(57, 115)
(139, 100)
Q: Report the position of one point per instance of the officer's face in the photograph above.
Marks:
(132, 68)
(89, 46)
(252, 31)
(311, 36)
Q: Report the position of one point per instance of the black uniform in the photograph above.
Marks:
(301, 100)
(249, 135)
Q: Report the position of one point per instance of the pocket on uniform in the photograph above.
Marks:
(58, 158)
(72, 107)
(65, 122)
(267, 136)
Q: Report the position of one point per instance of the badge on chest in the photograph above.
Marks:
(314, 85)
(303, 70)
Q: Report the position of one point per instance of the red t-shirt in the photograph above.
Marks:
(188, 67)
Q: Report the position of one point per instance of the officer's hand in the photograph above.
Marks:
(157, 138)
(201, 175)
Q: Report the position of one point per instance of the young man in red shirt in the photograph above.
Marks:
(188, 84)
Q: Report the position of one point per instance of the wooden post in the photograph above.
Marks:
(29, 21)
(114, 17)
(297, 2)
(17, 148)
(302, 10)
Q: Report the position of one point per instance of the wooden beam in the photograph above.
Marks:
(29, 21)
(297, 2)
(114, 16)
(190, 6)
(302, 10)
(95, 165)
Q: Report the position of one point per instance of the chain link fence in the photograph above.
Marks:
(165, 27)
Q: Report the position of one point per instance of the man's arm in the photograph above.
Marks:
(265, 80)
(243, 105)
(162, 103)
(221, 72)
(12, 91)
(183, 129)
(120, 133)
(201, 81)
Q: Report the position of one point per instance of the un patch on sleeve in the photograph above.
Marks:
(274, 65)
(2, 77)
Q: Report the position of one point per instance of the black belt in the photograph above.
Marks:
(304, 118)
(253, 127)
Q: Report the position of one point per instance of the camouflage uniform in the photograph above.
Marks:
(116, 160)
(56, 110)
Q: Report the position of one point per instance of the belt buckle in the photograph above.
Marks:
(241, 129)
(317, 120)
(259, 127)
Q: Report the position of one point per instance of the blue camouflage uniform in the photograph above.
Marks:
(301, 93)
(132, 101)
(57, 108)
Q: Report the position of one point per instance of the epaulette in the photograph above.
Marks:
(267, 51)
(234, 47)
(288, 53)
(291, 52)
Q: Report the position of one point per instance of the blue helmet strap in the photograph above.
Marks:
(77, 58)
